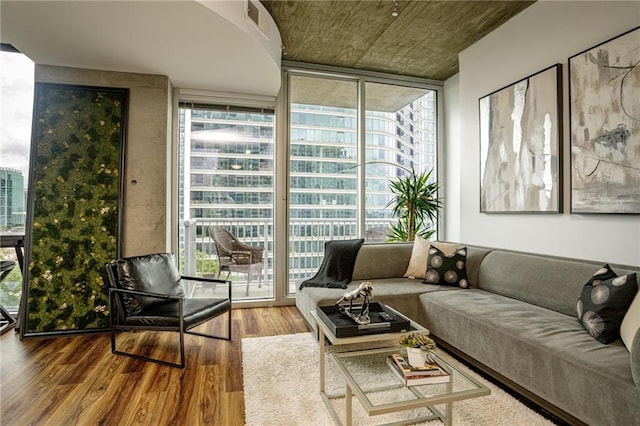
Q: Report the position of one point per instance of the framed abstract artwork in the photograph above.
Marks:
(74, 215)
(521, 146)
(604, 112)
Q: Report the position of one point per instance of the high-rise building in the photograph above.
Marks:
(12, 212)
(228, 171)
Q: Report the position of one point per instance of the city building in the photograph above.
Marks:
(12, 203)
(227, 174)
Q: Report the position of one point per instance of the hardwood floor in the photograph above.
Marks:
(78, 381)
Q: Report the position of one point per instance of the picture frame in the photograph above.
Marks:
(604, 116)
(521, 145)
(74, 215)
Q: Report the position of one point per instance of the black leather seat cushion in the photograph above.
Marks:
(195, 312)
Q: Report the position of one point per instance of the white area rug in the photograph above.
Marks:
(281, 387)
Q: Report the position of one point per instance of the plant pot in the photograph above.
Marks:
(416, 357)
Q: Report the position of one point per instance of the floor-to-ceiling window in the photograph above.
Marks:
(322, 168)
(340, 138)
(226, 178)
(348, 136)
(16, 109)
(400, 136)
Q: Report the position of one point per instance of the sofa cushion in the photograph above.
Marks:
(604, 301)
(541, 350)
(446, 269)
(418, 261)
(475, 256)
(387, 260)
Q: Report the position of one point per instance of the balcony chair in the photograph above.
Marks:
(146, 294)
(6, 320)
(234, 256)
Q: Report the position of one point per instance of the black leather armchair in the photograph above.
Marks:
(146, 294)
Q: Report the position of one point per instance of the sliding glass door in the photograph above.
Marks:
(339, 141)
(323, 178)
(226, 179)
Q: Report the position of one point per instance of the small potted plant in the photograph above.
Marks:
(418, 346)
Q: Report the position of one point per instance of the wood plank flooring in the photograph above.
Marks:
(78, 381)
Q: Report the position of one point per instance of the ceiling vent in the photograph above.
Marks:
(253, 14)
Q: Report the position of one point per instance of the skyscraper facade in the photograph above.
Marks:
(12, 211)
(228, 173)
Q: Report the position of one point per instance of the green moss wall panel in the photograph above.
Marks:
(74, 200)
(147, 222)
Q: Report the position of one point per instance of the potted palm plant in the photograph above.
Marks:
(416, 204)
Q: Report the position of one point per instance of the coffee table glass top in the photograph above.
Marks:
(380, 391)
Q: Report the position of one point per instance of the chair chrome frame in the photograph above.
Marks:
(180, 328)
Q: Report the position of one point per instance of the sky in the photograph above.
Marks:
(16, 109)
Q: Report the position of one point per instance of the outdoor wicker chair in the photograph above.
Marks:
(235, 256)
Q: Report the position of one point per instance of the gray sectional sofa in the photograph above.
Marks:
(517, 323)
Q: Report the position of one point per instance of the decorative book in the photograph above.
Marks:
(431, 368)
(431, 373)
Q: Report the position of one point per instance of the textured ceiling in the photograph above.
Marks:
(422, 41)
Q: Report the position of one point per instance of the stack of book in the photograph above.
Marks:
(430, 373)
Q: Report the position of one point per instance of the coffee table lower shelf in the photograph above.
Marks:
(460, 387)
(327, 398)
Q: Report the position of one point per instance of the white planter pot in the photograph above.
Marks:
(416, 357)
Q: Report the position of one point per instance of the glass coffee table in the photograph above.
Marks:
(369, 341)
(368, 376)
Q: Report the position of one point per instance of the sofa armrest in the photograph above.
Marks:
(635, 359)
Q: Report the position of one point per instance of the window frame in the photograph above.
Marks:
(361, 78)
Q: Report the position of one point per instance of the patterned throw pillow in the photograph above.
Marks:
(447, 270)
(603, 303)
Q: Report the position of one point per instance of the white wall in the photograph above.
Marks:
(546, 33)
(451, 175)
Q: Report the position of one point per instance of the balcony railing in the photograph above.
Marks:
(306, 245)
